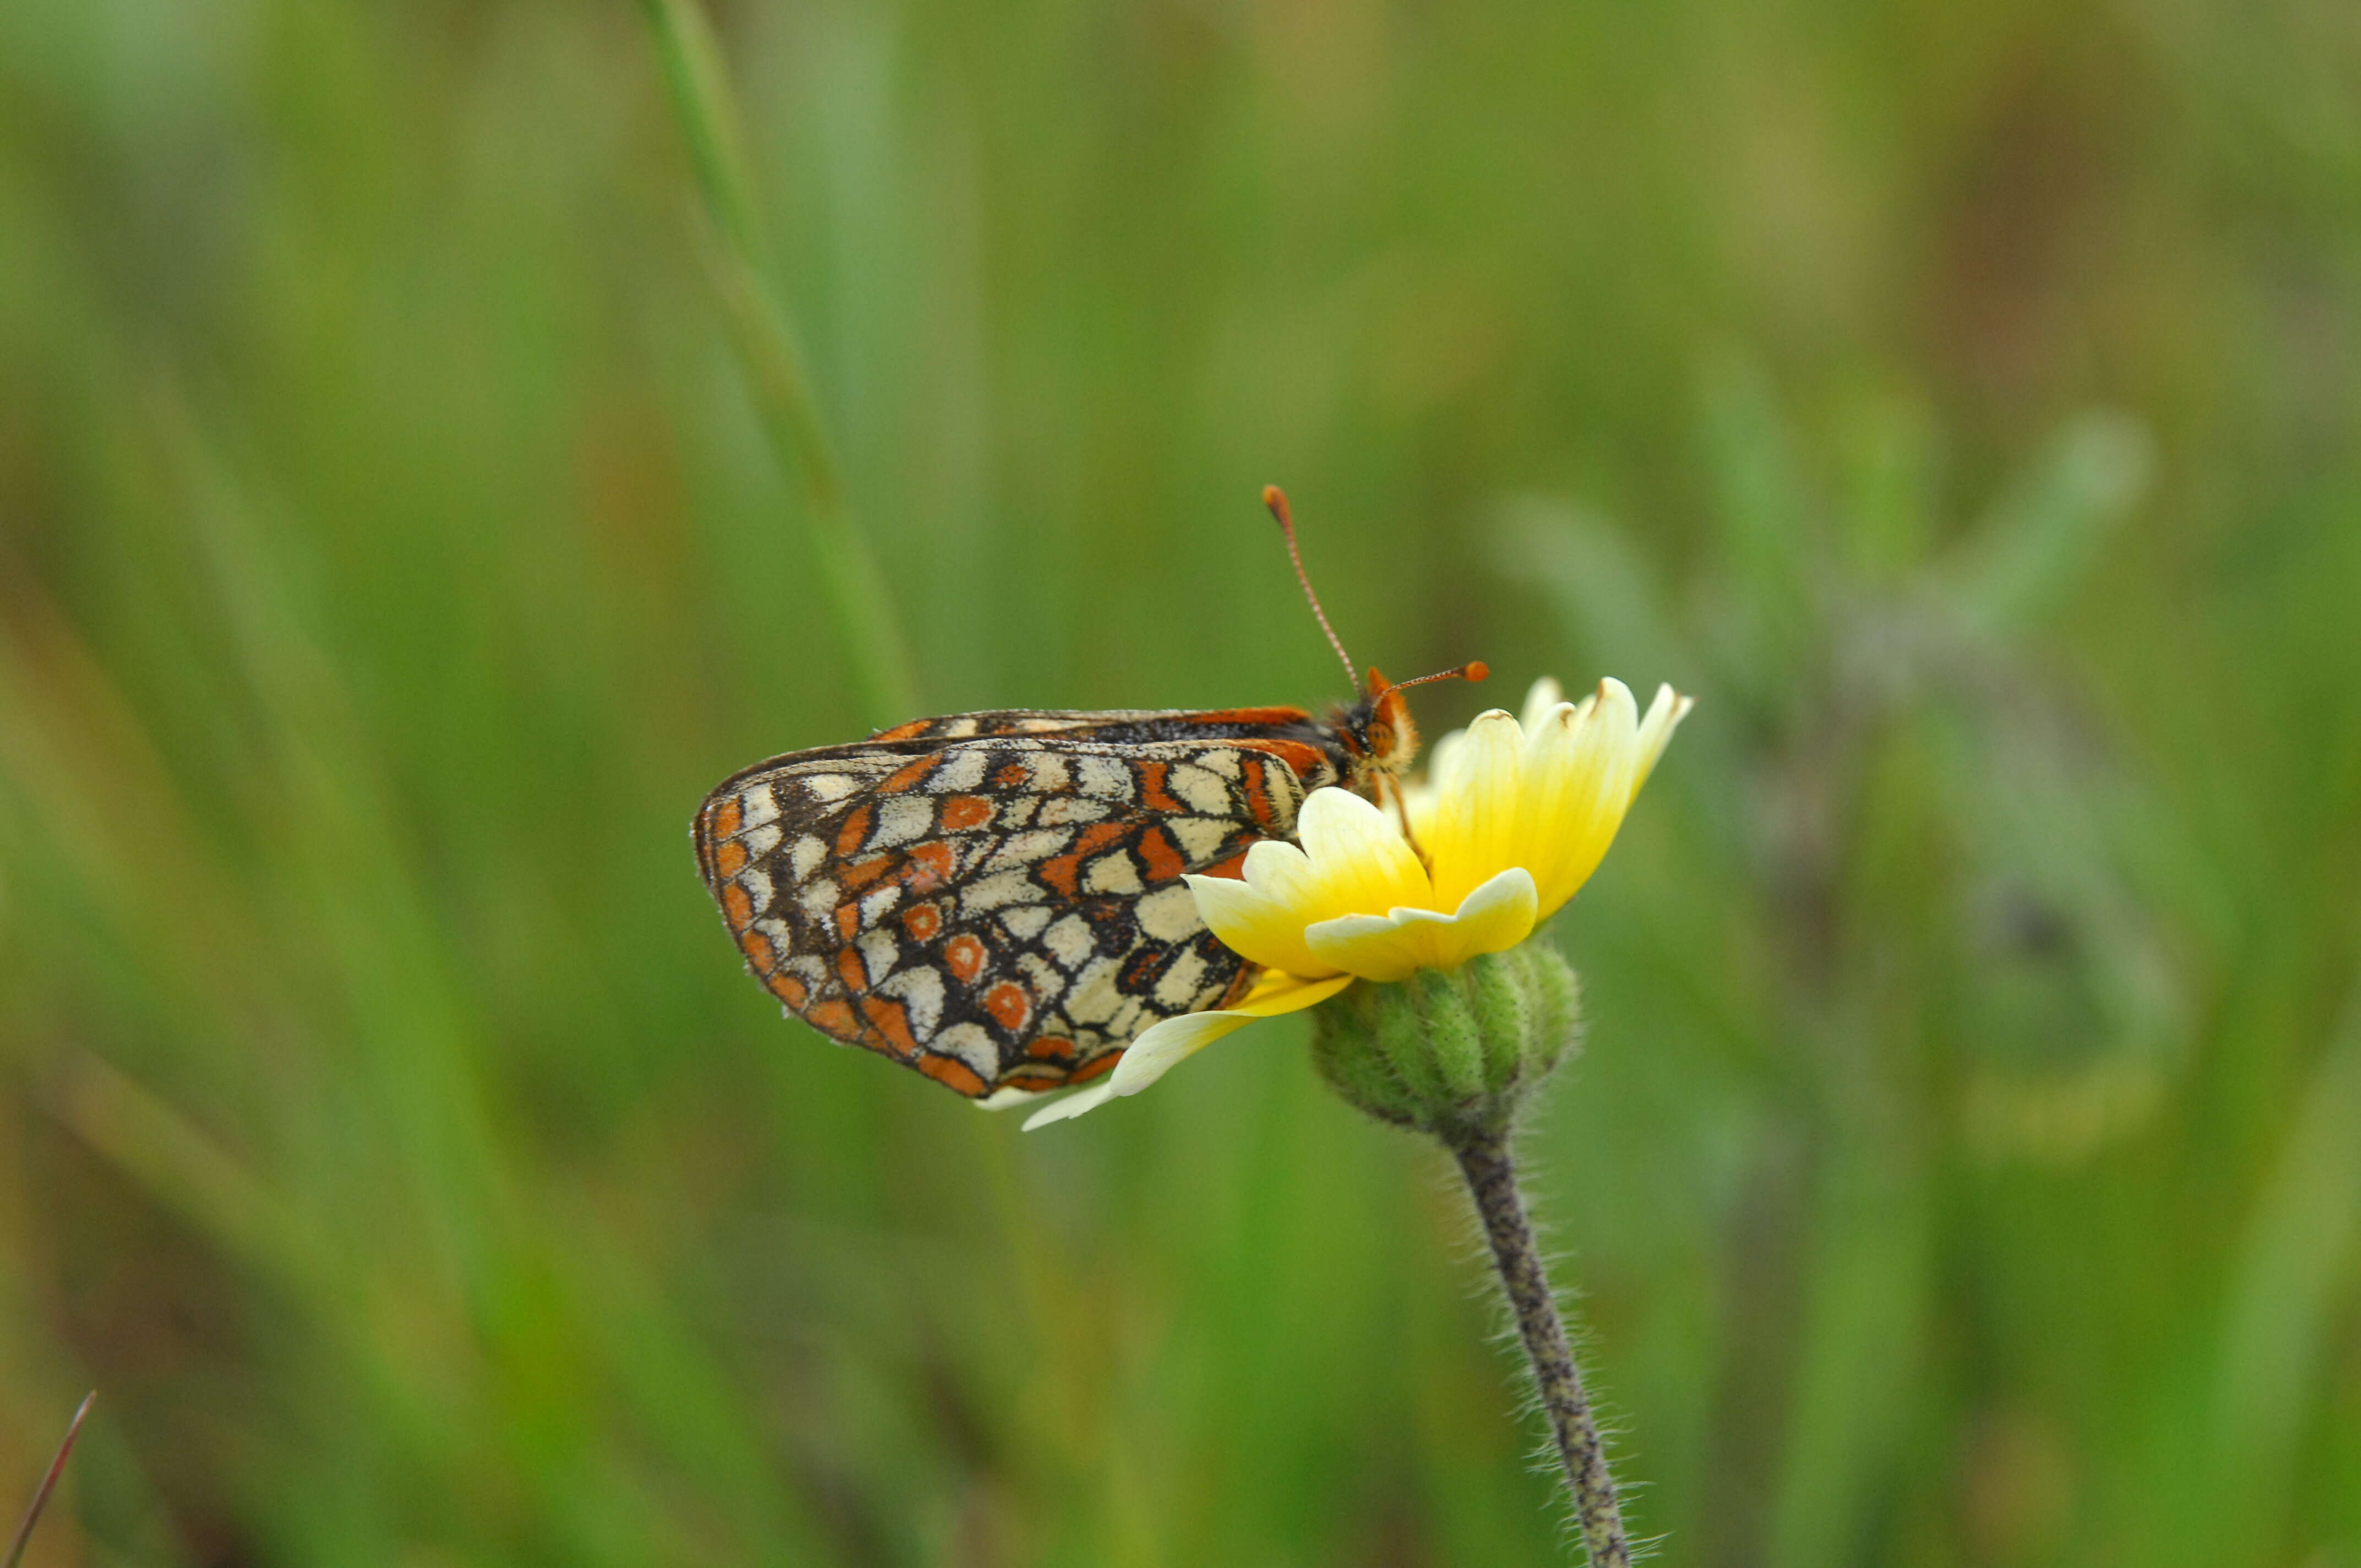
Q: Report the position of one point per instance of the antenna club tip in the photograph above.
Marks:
(1275, 499)
(1477, 670)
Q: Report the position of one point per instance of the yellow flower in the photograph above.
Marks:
(1512, 821)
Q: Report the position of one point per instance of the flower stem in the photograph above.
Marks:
(1492, 1182)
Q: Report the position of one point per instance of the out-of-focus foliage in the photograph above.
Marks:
(1965, 1166)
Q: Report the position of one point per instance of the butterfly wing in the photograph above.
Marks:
(999, 906)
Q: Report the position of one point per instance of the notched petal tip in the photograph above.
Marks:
(1544, 695)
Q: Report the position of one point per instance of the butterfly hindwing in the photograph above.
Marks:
(996, 899)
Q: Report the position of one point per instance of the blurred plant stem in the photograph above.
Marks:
(1492, 1175)
(49, 1483)
(736, 256)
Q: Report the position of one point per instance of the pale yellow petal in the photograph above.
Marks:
(1168, 1043)
(1358, 855)
(1664, 715)
(1173, 1040)
(1442, 757)
(1008, 1099)
(1418, 798)
(1263, 917)
(1545, 694)
(1476, 817)
(1067, 1107)
(1275, 993)
(1352, 858)
(1548, 768)
(1496, 915)
(1588, 785)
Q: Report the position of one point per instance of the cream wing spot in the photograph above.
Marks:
(1181, 983)
(920, 989)
(880, 951)
(1060, 810)
(818, 898)
(1112, 873)
(972, 1044)
(1070, 941)
(1043, 976)
(1029, 848)
(759, 806)
(1200, 837)
(902, 819)
(1027, 923)
(806, 857)
(1198, 789)
(992, 891)
(829, 788)
(757, 884)
(1092, 999)
(1222, 761)
(1103, 777)
(878, 904)
(960, 772)
(1170, 914)
(1049, 772)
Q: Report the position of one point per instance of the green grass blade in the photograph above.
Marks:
(777, 377)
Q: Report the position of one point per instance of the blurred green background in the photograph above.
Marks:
(1965, 1165)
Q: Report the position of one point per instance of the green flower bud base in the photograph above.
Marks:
(1452, 1052)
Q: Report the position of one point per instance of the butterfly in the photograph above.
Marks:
(996, 899)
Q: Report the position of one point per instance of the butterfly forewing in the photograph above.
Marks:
(995, 898)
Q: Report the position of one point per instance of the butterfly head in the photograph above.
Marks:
(1379, 736)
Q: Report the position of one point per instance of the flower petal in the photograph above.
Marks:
(1352, 858)
(1358, 854)
(1664, 715)
(1496, 915)
(1275, 994)
(1164, 1045)
(1578, 784)
(1475, 823)
(1261, 916)
(1545, 694)
(1067, 1107)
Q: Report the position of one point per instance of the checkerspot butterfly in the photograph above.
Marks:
(996, 899)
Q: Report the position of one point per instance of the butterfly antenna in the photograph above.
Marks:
(1275, 499)
(1473, 671)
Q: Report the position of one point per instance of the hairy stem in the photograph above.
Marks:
(1492, 1181)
